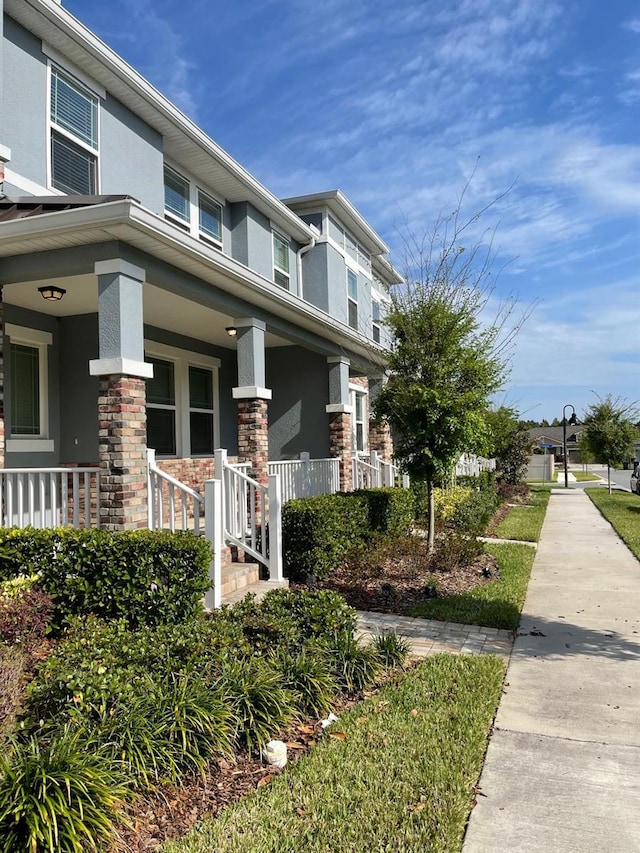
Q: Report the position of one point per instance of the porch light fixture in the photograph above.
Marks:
(51, 292)
(231, 331)
(573, 420)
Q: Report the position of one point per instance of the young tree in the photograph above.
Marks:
(446, 360)
(609, 431)
(509, 443)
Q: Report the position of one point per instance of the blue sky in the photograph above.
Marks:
(398, 104)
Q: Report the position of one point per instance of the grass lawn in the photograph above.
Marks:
(396, 773)
(584, 476)
(525, 522)
(496, 604)
(622, 511)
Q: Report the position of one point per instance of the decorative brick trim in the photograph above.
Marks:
(361, 381)
(341, 445)
(122, 450)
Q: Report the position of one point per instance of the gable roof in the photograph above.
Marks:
(554, 435)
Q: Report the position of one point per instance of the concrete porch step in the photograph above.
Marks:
(259, 589)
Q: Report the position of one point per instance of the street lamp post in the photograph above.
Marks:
(573, 420)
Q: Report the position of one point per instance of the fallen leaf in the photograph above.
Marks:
(301, 812)
(264, 781)
(362, 719)
(414, 712)
(338, 735)
(295, 745)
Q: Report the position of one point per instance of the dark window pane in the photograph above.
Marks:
(200, 388)
(376, 334)
(161, 387)
(161, 431)
(25, 390)
(359, 437)
(73, 109)
(73, 170)
(210, 217)
(201, 433)
(281, 279)
(353, 315)
(176, 194)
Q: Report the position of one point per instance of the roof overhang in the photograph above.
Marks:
(183, 140)
(128, 222)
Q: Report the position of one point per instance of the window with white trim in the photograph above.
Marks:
(375, 320)
(28, 424)
(281, 260)
(359, 419)
(190, 207)
(74, 135)
(352, 298)
(181, 402)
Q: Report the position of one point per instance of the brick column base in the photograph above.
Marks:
(122, 446)
(253, 437)
(341, 445)
(380, 439)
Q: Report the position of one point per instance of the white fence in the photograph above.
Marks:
(372, 472)
(306, 477)
(50, 497)
(470, 465)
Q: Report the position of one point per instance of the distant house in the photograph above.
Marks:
(551, 439)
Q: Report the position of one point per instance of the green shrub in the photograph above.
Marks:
(318, 531)
(25, 617)
(143, 576)
(447, 501)
(57, 796)
(13, 678)
(257, 698)
(472, 515)
(317, 613)
(309, 677)
(391, 649)
(390, 511)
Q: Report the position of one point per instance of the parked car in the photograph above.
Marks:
(635, 478)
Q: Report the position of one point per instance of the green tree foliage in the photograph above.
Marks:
(609, 431)
(509, 443)
(447, 360)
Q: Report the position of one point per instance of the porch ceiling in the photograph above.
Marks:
(162, 309)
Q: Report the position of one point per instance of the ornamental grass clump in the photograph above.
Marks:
(392, 650)
(58, 795)
(309, 677)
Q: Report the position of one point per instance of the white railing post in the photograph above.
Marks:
(214, 532)
(305, 476)
(275, 529)
(376, 473)
(151, 492)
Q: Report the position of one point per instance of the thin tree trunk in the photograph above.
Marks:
(432, 517)
(609, 476)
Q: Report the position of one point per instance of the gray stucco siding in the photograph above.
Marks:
(78, 390)
(337, 285)
(299, 380)
(130, 157)
(24, 102)
(314, 277)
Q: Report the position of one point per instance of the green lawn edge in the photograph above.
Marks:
(622, 511)
(496, 604)
(524, 523)
(401, 779)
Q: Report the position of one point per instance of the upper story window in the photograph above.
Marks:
(74, 136)
(191, 208)
(352, 298)
(375, 316)
(281, 260)
(348, 245)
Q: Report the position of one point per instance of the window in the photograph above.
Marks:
(201, 410)
(209, 218)
(352, 298)
(360, 433)
(176, 195)
(281, 260)
(74, 136)
(27, 368)
(25, 390)
(161, 408)
(181, 402)
(375, 315)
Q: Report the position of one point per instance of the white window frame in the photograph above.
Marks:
(195, 190)
(53, 128)
(276, 234)
(351, 300)
(359, 391)
(41, 341)
(182, 360)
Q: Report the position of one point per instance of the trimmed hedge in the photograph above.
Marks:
(144, 577)
(317, 532)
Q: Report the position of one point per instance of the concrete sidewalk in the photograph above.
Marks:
(562, 773)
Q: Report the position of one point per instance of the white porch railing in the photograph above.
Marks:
(50, 497)
(306, 477)
(470, 465)
(172, 505)
(372, 472)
